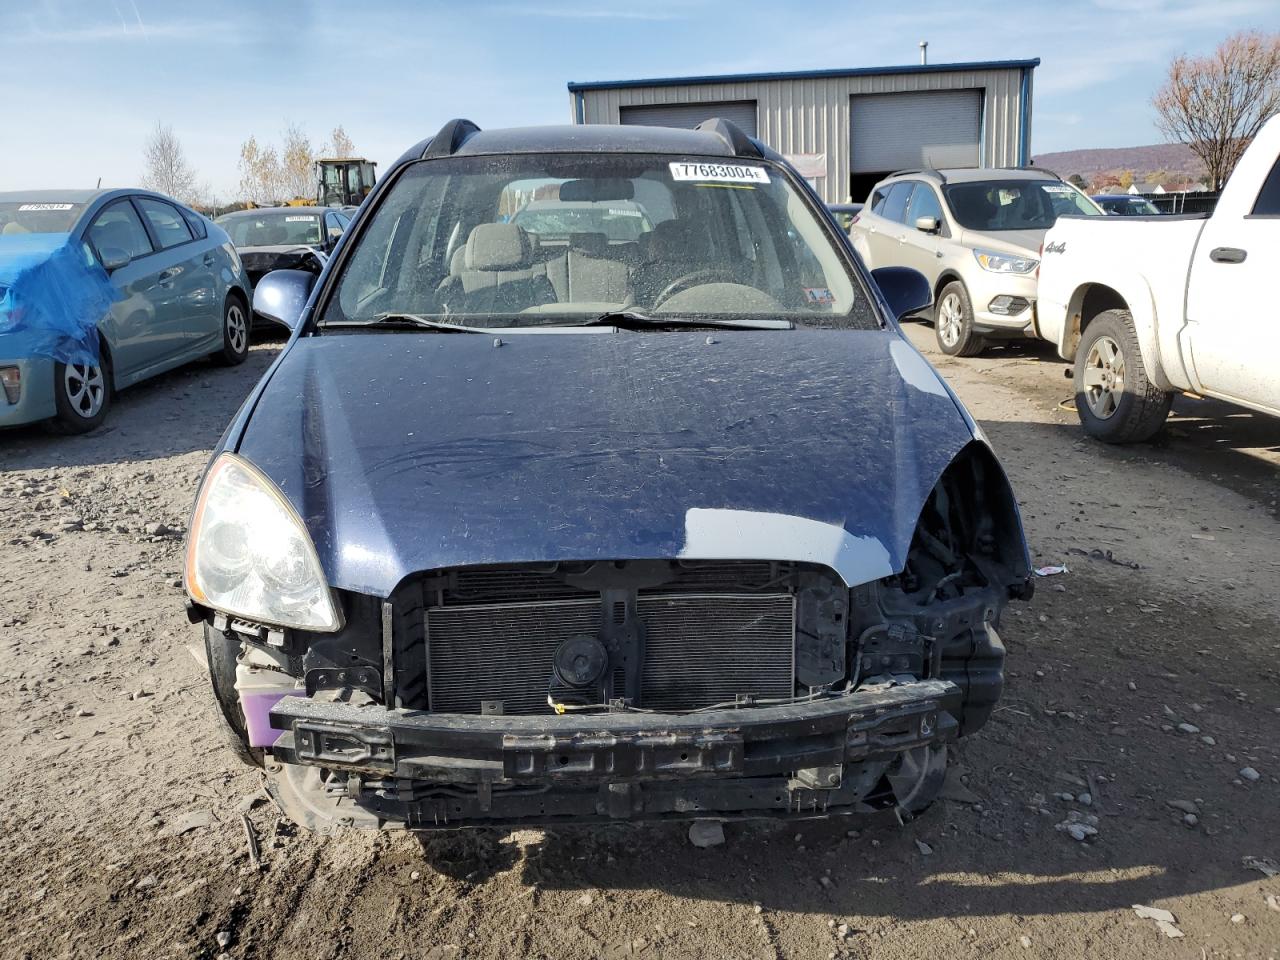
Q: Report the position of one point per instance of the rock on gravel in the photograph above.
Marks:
(1250, 774)
(706, 833)
(187, 822)
(1164, 920)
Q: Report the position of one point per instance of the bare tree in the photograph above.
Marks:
(340, 145)
(1217, 104)
(261, 177)
(296, 163)
(167, 170)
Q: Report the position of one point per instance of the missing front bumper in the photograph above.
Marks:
(422, 769)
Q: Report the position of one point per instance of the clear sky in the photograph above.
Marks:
(83, 81)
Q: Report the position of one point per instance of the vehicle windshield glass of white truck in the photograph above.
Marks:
(992, 205)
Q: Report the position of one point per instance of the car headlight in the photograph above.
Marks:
(249, 556)
(1004, 262)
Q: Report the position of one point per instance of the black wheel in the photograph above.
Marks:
(82, 395)
(221, 650)
(235, 332)
(1115, 399)
(953, 323)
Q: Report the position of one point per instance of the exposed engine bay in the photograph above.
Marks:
(642, 688)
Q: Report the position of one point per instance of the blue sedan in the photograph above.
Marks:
(102, 289)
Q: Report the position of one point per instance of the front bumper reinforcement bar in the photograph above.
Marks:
(874, 722)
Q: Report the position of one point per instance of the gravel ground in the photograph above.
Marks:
(1145, 678)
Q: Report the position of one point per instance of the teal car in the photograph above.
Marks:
(172, 284)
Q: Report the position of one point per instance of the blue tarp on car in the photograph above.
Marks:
(51, 298)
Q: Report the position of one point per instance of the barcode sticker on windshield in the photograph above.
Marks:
(1057, 188)
(299, 219)
(718, 172)
(46, 206)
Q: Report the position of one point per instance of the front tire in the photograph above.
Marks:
(953, 323)
(1115, 398)
(235, 332)
(82, 395)
(221, 650)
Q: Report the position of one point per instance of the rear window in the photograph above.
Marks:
(995, 205)
(1268, 202)
(617, 221)
(166, 223)
(38, 216)
(196, 222)
(895, 206)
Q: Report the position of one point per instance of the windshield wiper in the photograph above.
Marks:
(635, 320)
(623, 319)
(411, 320)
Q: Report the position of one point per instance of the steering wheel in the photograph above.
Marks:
(694, 278)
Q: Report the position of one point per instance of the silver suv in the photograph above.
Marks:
(975, 234)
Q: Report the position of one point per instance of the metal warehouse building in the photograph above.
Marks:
(845, 129)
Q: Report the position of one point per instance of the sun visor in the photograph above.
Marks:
(52, 296)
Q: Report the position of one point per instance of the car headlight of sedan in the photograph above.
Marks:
(249, 555)
(1004, 262)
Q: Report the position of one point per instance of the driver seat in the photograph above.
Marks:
(667, 254)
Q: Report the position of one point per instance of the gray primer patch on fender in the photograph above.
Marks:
(915, 369)
(715, 534)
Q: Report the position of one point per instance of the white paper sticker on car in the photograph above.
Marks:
(47, 206)
(718, 172)
(299, 219)
(1057, 188)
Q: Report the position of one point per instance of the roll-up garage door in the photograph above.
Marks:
(689, 115)
(897, 131)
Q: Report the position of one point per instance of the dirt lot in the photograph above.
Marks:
(121, 833)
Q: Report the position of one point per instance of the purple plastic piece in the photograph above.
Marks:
(257, 715)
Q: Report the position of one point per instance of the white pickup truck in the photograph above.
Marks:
(1150, 306)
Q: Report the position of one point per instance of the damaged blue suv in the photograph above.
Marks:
(641, 508)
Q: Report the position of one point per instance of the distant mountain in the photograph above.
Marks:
(1175, 158)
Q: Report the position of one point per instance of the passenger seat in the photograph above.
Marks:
(498, 273)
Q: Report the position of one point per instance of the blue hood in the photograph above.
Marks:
(411, 451)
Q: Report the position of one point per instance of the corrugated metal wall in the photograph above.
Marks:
(812, 115)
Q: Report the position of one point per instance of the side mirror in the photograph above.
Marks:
(927, 224)
(113, 258)
(281, 295)
(906, 291)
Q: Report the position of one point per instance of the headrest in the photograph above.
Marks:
(498, 246)
(13, 227)
(591, 244)
(669, 240)
(458, 261)
(115, 233)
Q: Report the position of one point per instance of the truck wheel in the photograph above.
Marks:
(221, 650)
(953, 323)
(81, 395)
(1115, 399)
(235, 332)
